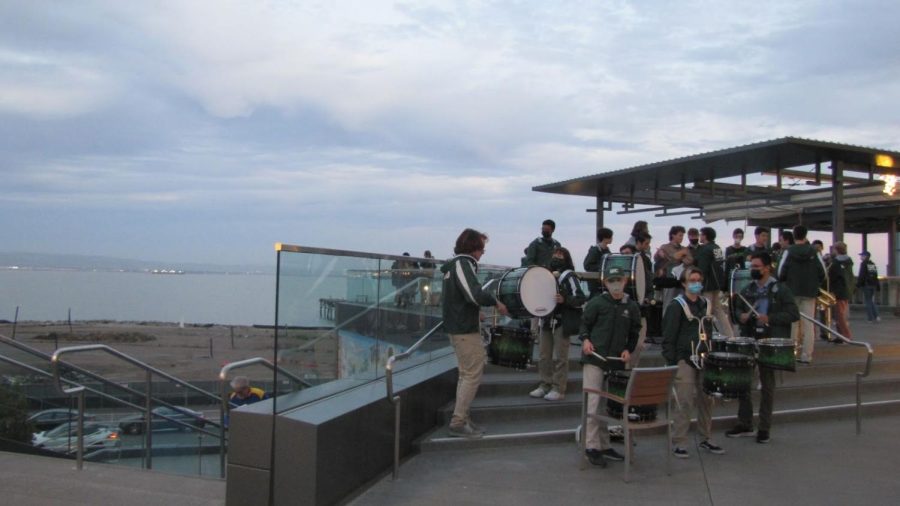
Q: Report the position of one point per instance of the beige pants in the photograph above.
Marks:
(596, 431)
(688, 394)
(470, 357)
(803, 330)
(554, 371)
(718, 311)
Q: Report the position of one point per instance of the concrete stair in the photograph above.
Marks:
(825, 388)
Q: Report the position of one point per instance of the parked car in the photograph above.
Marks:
(135, 424)
(52, 418)
(64, 439)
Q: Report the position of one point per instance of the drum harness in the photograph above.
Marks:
(696, 353)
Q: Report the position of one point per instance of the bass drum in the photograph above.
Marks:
(740, 279)
(633, 266)
(528, 291)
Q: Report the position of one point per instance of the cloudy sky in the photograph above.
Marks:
(206, 131)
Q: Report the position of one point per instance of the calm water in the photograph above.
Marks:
(234, 299)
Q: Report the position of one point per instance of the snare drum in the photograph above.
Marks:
(727, 375)
(617, 382)
(742, 345)
(510, 347)
(776, 353)
(528, 291)
(633, 266)
(718, 343)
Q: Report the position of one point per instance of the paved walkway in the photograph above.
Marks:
(806, 463)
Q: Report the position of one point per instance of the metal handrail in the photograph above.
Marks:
(395, 398)
(225, 405)
(148, 399)
(859, 375)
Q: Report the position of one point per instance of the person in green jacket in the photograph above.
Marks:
(609, 328)
(802, 269)
(840, 277)
(681, 340)
(540, 251)
(555, 331)
(773, 312)
(710, 259)
(461, 307)
(593, 261)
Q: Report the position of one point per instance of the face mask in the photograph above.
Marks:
(616, 288)
(756, 274)
(557, 264)
(546, 235)
(695, 287)
(694, 241)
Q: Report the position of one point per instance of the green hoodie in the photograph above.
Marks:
(462, 295)
(802, 269)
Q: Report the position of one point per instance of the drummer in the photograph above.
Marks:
(556, 330)
(602, 334)
(681, 331)
(774, 310)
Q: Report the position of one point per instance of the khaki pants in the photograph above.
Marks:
(596, 431)
(554, 371)
(470, 357)
(841, 312)
(688, 394)
(718, 311)
(802, 330)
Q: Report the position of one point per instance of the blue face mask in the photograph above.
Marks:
(695, 287)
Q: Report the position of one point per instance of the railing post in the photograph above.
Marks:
(79, 457)
(223, 414)
(148, 423)
(396, 438)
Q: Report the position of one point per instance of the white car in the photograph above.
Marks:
(64, 439)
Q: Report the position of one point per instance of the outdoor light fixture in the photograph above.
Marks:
(884, 160)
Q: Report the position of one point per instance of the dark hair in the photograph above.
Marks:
(567, 258)
(738, 231)
(788, 236)
(776, 247)
(628, 247)
(709, 232)
(800, 232)
(642, 238)
(551, 223)
(760, 230)
(763, 257)
(640, 227)
(604, 233)
(820, 243)
(686, 273)
(693, 231)
(427, 253)
(677, 229)
(469, 241)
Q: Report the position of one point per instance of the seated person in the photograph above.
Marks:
(243, 393)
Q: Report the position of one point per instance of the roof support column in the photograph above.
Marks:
(837, 201)
(600, 207)
(893, 252)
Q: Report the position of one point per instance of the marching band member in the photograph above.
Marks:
(609, 328)
(681, 330)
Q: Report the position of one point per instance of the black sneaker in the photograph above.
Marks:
(610, 454)
(711, 448)
(762, 437)
(739, 431)
(680, 452)
(595, 457)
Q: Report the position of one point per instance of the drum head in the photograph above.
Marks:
(538, 291)
(740, 278)
(638, 278)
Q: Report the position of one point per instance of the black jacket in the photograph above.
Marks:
(681, 333)
(462, 295)
(868, 275)
(569, 312)
(782, 310)
(611, 326)
(801, 267)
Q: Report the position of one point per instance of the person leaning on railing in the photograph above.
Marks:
(461, 306)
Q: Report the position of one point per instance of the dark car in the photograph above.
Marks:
(53, 418)
(135, 424)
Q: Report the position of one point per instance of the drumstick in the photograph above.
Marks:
(594, 353)
(754, 311)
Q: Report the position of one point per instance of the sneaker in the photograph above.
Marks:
(476, 427)
(739, 431)
(610, 454)
(680, 452)
(554, 395)
(595, 457)
(616, 434)
(539, 392)
(464, 430)
(804, 362)
(762, 437)
(711, 448)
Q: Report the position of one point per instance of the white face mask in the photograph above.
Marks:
(616, 288)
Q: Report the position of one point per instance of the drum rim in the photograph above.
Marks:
(776, 341)
(524, 271)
